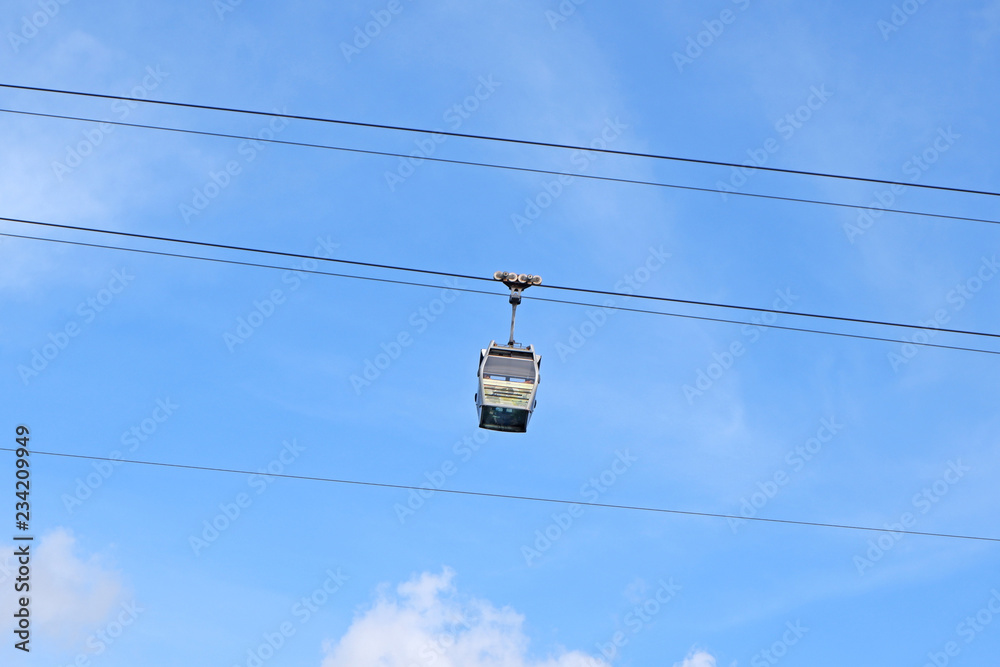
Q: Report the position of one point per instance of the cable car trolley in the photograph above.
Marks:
(508, 374)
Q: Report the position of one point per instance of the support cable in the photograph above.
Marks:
(473, 291)
(549, 172)
(507, 496)
(507, 140)
(689, 302)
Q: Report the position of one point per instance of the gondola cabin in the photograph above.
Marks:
(508, 380)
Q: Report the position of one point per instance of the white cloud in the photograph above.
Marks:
(70, 595)
(426, 624)
(697, 659)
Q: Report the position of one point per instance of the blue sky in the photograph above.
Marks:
(205, 364)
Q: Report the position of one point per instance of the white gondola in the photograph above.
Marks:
(508, 374)
(508, 380)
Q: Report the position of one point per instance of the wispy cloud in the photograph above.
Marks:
(426, 623)
(697, 659)
(71, 593)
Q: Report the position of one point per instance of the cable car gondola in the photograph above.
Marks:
(508, 374)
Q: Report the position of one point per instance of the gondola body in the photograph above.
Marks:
(508, 381)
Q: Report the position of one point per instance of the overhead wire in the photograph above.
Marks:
(508, 496)
(236, 262)
(491, 165)
(557, 287)
(224, 246)
(506, 140)
(688, 302)
(474, 291)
